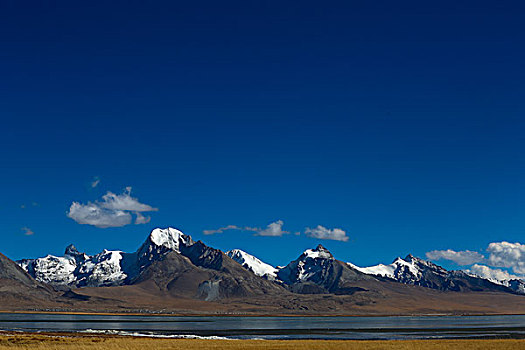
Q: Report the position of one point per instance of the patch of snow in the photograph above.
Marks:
(99, 270)
(380, 270)
(410, 265)
(54, 270)
(399, 266)
(301, 273)
(251, 263)
(169, 238)
(106, 269)
(318, 253)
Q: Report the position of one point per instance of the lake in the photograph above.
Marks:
(239, 327)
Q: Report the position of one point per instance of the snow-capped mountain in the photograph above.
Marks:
(159, 242)
(517, 285)
(409, 270)
(55, 270)
(313, 264)
(512, 282)
(253, 264)
(415, 271)
(317, 271)
(77, 269)
(108, 268)
(103, 269)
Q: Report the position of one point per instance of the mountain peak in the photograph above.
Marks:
(411, 258)
(320, 248)
(71, 250)
(319, 252)
(169, 238)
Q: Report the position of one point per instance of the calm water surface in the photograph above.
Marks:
(404, 327)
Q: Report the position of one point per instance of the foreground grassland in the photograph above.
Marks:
(28, 341)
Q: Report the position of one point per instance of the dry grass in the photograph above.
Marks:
(41, 342)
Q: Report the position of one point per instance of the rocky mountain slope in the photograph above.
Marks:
(18, 289)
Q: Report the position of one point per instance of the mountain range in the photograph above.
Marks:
(171, 271)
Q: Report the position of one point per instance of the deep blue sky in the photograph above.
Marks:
(401, 123)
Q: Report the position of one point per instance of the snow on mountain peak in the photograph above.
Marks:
(380, 270)
(410, 263)
(103, 269)
(313, 264)
(398, 266)
(253, 264)
(319, 252)
(169, 238)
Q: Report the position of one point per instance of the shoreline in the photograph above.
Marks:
(187, 336)
(166, 314)
(287, 334)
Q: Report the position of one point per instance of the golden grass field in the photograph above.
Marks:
(45, 342)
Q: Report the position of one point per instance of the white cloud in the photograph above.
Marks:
(95, 182)
(221, 229)
(113, 211)
(27, 231)
(141, 219)
(510, 255)
(274, 229)
(500, 254)
(124, 201)
(93, 214)
(465, 257)
(322, 232)
(490, 273)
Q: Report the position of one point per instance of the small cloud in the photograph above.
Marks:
(35, 204)
(95, 182)
(321, 232)
(27, 231)
(275, 229)
(23, 206)
(92, 214)
(465, 257)
(114, 210)
(221, 229)
(141, 219)
(124, 201)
